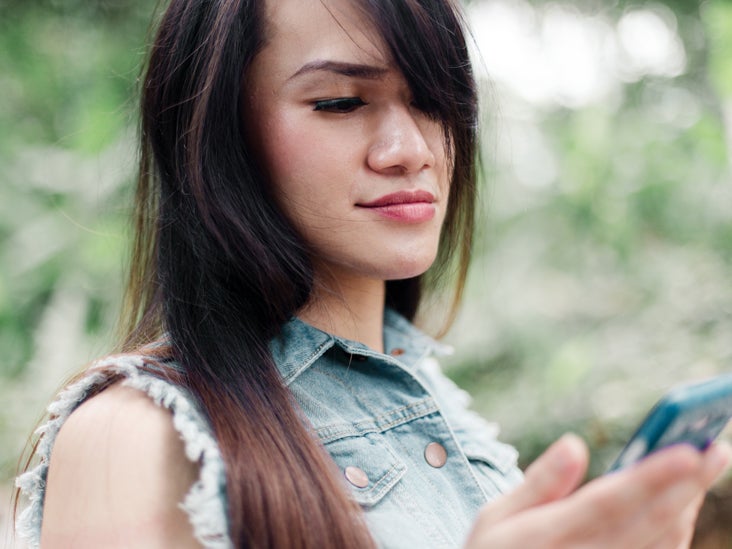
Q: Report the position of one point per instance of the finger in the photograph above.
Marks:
(683, 459)
(664, 511)
(680, 534)
(717, 459)
(554, 475)
(635, 506)
(666, 468)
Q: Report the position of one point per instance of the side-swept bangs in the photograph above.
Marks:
(426, 39)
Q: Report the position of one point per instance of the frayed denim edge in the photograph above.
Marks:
(204, 502)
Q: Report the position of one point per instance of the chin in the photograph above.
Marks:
(409, 267)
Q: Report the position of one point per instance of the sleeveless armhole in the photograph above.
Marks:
(204, 503)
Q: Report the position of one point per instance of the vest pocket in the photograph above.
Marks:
(494, 463)
(369, 467)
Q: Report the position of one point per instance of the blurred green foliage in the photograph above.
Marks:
(594, 293)
(68, 74)
(590, 295)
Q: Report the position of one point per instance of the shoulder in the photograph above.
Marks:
(137, 453)
(117, 474)
(121, 426)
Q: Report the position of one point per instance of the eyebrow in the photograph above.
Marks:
(354, 70)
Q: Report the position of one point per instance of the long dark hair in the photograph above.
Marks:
(218, 268)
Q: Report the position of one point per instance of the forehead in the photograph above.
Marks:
(300, 31)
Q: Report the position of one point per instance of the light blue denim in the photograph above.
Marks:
(377, 412)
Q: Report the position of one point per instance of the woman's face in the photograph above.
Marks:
(357, 168)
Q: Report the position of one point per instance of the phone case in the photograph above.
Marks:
(693, 414)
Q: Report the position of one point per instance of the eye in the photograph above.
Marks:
(341, 105)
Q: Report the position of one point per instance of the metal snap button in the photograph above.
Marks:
(435, 454)
(357, 477)
(398, 351)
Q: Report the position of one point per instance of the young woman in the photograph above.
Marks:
(306, 184)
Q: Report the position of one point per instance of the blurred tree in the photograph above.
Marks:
(602, 274)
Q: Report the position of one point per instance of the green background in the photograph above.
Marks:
(598, 282)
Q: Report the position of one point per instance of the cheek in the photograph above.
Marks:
(312, 165)
(285, 148)
(288, 157)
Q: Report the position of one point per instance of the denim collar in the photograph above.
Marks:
(299, 345)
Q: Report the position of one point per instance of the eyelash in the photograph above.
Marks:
(341, 105)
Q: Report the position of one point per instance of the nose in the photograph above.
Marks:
(401, 143)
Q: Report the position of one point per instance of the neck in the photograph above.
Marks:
(352, 308)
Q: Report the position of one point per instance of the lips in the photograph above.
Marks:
(404, 206)
(401, 197)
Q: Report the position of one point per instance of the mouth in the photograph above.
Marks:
(404, 206)
(401, 197)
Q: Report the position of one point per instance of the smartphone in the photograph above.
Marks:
(693, 414)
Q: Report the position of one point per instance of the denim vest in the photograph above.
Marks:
(416, 459)
(413, 456)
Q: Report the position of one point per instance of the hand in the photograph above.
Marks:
(652, 504)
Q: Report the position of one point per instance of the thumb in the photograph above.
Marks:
(554, 475)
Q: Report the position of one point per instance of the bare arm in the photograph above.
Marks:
(116, 477)
(653, 504)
